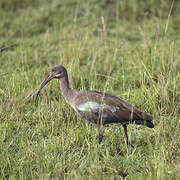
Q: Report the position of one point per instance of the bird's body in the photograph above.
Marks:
(105, 108)
(97, 107)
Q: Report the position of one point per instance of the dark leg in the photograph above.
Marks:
(100, 135)
(126, 137)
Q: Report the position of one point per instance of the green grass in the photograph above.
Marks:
(127, 48)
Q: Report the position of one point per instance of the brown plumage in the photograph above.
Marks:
(97, 107)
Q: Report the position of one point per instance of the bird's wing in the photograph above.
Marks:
(113, 107)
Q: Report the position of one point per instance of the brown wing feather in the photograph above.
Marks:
(125, 111)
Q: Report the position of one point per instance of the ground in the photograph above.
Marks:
(126, 48)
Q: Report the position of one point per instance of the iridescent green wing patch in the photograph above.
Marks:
(88, 106)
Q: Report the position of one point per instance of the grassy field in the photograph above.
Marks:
(127, 48)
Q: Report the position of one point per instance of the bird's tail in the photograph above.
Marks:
(147, 123)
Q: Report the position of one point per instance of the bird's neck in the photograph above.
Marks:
(66, 91)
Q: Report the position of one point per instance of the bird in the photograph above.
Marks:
(99, 108)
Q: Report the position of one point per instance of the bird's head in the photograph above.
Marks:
(57, 72)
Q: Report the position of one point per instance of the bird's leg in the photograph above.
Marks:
(126, 137)
(100, 135)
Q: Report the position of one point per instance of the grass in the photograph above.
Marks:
(127, 48)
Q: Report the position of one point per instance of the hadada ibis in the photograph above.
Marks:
(98, 108)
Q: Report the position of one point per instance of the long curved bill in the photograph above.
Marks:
(48, 78)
